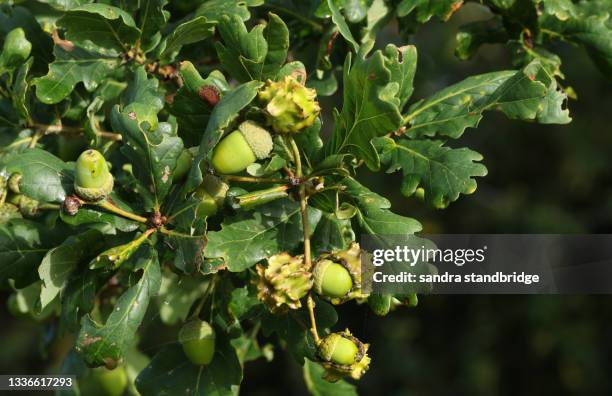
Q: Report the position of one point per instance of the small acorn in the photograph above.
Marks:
(283, 282)
(16, 49)
(289, 105)
(337, 276)
(343, 355)
(211, 194)
(109, 382)
(380, 304)
(93, 180)
(207, 206)
(235, 152)
(197, 338)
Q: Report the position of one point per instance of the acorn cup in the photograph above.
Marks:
(337, 276)
(15, 51)
(93, 180)
(343, 355)
(289, 105)
(197, 338)
(13, 183)
(235, 152)
(283, 282)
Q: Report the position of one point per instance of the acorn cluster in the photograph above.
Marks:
(335, 277)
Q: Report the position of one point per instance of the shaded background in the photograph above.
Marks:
(542, 179)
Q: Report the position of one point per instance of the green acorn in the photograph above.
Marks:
(235, 152)
(8, 212)
(16, 49)
(343, 355)
(198, 341)
(289, 105)
(283, 282)
(337, 276)
(109, 382)
(93, 180)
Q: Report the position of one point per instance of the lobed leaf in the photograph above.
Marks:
(106, 344)
(442, 172)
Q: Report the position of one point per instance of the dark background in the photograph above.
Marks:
(542, 179)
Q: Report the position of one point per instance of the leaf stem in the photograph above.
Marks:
(248, 179)
(57, 129)
(105, 204)
(168, 232)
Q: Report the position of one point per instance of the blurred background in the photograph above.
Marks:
(542, 179)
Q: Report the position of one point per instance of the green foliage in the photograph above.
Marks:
(142, 85)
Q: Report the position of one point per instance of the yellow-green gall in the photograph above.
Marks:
(197, 338)
(235, 152)
(283, 282)
(93, 180)
(289, 105)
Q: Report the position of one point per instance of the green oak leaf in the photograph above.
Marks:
(59, 262)
(143, 89)
(64, 5)
(373, 214)
(78, 298)
(425, 9)
(100, 28)
(171, 373)
(375, 90)
(106, 344)
(338, 20)
(152, 18)
(189, 32)
(70, 68)
(588, 23)
(252, 236)
(214, 10)
(153, 153)
(23, 244)
(44, 177)
(191, 111)
(473, 35)
(12, 17)
(255, 55)
(176, 296)
(528, 94)
(442, 172)
(332, 234)
(317, 386)
(21, 87)
(113, 258)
